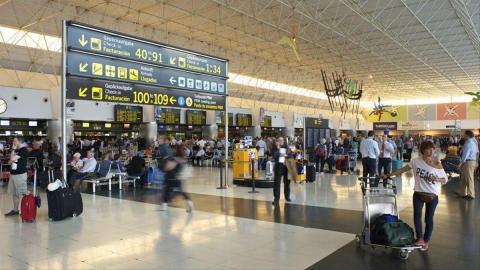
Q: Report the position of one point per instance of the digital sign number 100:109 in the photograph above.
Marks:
(147, 98)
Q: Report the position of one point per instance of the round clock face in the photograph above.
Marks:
(3, 106)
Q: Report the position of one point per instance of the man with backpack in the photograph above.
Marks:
(320, 155)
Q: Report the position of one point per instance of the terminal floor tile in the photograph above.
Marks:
(232, 229)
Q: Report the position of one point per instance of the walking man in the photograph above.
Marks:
(387, 150)
(370, 152)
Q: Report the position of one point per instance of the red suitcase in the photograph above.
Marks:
(28, 208)
(28, 205)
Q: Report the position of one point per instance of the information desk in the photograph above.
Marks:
(242, 169)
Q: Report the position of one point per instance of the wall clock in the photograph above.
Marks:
(3, 106)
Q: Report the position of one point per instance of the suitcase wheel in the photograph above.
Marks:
(403, 254)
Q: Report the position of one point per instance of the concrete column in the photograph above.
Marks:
(210, 131)
(148, 114)
(149, 131)
(289, 131)
(255, 131)
(54, 130)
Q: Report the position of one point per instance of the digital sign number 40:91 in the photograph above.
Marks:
(148, 55)
(147, 98)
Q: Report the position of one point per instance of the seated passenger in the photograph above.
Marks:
(89, 165)
(103, 167)
(118, 163)
(217, 156)
(200, 156)
(148, 152)
(76, 164)
(136, 166)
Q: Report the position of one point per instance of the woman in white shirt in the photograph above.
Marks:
(429, 176)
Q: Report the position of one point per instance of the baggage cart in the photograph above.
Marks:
(352, 161)
(450, 165)
(376, 202)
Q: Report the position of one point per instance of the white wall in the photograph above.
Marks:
(29, 103)
(277, 118)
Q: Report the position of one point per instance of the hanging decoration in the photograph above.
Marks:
(379, 109)
(291, 41)
(475, 99)
(342, 93)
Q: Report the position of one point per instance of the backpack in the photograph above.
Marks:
(321, 151)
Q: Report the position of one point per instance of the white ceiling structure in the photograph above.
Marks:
(403, 50)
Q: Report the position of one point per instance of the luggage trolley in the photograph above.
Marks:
(376, 202)
(352, 161)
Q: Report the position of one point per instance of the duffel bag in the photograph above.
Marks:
(397, 234)
(376, 235)
(393, 233)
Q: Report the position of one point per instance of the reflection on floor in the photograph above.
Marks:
(121, 234)
(232, 229)
(330, 190)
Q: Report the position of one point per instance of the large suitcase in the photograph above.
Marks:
(341, 164)
(28, 205)
(63, 202)
(311, 173)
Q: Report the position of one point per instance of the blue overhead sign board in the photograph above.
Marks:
(105, 42)
(103, 65)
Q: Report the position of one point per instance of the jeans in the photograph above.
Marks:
(317, 163)
(417, 216)
(409, 154)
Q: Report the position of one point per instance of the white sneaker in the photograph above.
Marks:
(189, 206)
(163, 207)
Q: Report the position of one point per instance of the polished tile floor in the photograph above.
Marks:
(330, 190)
(123, 234)
(233, 229)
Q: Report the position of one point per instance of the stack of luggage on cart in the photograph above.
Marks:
(450, 165)
(382, 227)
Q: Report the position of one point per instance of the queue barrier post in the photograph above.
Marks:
(222, 186)
(253, 177)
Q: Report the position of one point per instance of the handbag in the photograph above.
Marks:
(425, 197)
(292, 169)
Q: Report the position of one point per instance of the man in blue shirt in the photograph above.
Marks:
(467, 166)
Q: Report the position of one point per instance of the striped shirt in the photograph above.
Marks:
(369, 148)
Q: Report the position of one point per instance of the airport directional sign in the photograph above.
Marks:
(129, 93)
(108, 68)
(91, 39)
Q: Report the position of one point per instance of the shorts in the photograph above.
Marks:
(17, 185)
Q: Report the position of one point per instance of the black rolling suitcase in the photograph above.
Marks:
(63, 202)
(311, 173)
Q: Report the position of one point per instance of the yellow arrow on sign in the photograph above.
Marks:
(83, 67)
(82, 92)
(172, 100)
(83, 41)
(172, 60)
